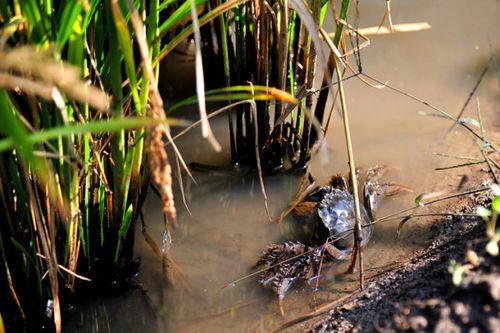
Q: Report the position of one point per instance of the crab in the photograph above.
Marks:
(326, 220)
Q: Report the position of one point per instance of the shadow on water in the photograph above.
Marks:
(229, 228)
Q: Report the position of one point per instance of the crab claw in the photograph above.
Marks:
(336, 253)
(374, 191)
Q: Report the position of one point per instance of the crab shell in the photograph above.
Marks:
(336, 212)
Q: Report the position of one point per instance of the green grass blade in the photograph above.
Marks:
(237, 93)
(180, 15)
(126, 44)
(31, 256)
(11, 127)
(89, 15)
(340, 27)
(165, 4)
(101, 199)
(98, 126)
(66, 23)
(124, 226)
(226, 6)
(5, 12)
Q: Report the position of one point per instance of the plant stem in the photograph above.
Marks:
(352, 170)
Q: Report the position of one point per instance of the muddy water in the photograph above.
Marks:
(228, 227)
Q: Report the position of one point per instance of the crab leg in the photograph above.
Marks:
(374, 190)
(396, 188)
(280, 305)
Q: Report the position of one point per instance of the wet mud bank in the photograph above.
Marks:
(419, 295)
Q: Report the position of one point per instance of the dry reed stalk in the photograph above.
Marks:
(47, 247)
(158, 160)
(26, 61)
(354, 180)
(206, 130)
(403, 27)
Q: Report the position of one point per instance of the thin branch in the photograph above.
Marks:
(403, 27)
(318, 311)
(460, 165)
(478, 82)
(476, 159)
(483, 135)
(443, 113)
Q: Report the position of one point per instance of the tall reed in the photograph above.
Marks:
(72, 172)
(82, 133)
(82, 124)
(269, 43)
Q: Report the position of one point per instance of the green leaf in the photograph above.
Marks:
(457, 272)
(67, 22)
(495, 205)
(152, 21)
(239, 93)
(101, 198)
(31, 256)
(340, 27)
(126, 44)
(125, 224)
(25, 140)
(165, 4)
(188, 30)
(38, 27)
(13, 129)
(427, 196)
(90, 14)
(5, 12)
(178, 16)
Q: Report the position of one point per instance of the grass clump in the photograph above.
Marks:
(76, 111)
(276, 43)
(83, 125)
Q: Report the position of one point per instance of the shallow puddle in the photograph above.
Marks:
(228, 228)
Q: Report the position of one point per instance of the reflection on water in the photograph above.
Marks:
(229, 228)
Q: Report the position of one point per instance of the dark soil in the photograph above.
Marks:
(419, 296)
(473, 306)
